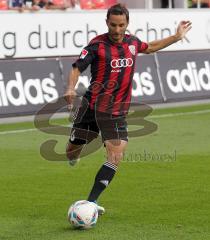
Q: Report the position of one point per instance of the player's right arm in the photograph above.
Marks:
(70, 93)
(86, 57)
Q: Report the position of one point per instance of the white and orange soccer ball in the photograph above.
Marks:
(83, 214)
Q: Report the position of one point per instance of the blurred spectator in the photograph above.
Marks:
(27, 4)
(35, 5)
(75, 4)
(42, 4)
(19, 5)
(49, 4)
(97, 4)
(3, 5)
(203, 3)
(63, 4)
(15, 5)
(165, 3)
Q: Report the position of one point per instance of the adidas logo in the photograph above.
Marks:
(20, 92)
(190, 79)
(105, 182)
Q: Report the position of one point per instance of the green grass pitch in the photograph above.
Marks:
(163, 196)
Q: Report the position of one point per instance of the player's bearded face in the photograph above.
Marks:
(117, 25)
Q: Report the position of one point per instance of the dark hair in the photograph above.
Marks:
(118, 9)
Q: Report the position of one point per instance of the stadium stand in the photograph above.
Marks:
(22, 5)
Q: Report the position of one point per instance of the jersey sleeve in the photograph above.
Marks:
(141, 45)
(86, 57)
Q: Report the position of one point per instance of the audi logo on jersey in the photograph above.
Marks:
(122, 62)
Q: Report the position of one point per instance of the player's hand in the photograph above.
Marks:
(70, 95)
(182, 29)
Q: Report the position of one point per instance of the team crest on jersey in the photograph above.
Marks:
(83, 54)
(132, 49)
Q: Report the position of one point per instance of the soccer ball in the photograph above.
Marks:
(83, 214)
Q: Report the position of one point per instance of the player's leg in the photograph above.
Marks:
(114, 133)
(81, 135)
(115, 150)
(73, 152)
(83, 132)
(76, 142)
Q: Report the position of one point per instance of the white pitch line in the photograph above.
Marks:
(18, 131)
(180, 114)
(29, 130)
(152, 117)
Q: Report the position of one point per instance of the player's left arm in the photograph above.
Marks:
(182, 29)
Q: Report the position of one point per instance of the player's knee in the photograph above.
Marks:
(115, 157)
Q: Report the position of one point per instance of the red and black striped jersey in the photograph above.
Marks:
(112, 69)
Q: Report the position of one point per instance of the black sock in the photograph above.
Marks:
(102, 180)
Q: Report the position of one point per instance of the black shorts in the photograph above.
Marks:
(88, 124)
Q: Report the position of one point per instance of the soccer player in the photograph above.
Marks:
(105, 104)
